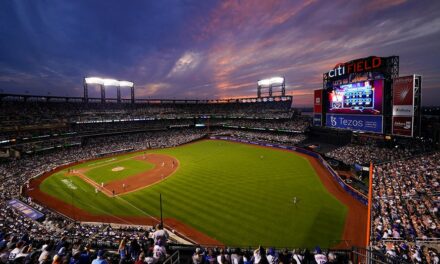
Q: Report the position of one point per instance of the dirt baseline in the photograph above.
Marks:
(164, 166)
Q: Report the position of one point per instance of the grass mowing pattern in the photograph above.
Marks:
(104, 172)
(227, 191)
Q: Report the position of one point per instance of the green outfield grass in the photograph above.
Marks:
(230, 193)
(104, 172)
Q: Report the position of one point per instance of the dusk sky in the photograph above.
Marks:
(209, 49)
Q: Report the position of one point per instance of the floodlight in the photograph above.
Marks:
(264, 82)
(110, 82)
(125, 84)
(273, 80)
(94, 80)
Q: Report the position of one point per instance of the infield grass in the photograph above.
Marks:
(105, 173)
(238, 194)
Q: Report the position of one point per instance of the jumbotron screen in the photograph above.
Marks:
(357, 98)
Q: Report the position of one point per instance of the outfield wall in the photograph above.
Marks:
(350, 190)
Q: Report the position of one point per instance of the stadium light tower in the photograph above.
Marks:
(270, 83)
(107, 82)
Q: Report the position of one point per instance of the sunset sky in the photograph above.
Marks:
(209, 49)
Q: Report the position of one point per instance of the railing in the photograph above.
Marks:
(174, 258)
(367, 256)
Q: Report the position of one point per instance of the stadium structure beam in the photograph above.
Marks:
(102, 93)
(108, 82)
(118, 94)
(86, 92)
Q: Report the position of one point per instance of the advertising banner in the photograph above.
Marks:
(403, 96)
(317, 119)
(403, 90)
(25, 209)
(403, 126)
(403, 106)
(317, 105)
(366, 123)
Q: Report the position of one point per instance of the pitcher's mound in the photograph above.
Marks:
(118, 168)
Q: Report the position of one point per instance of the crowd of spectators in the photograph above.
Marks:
(364, 154)
(265, 256)
(14, 113)
(297, 124)
(406, 198)
(403, 252)
(285, 139)
(133, 246)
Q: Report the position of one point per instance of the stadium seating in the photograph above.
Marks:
(47, 135)
(406, 200)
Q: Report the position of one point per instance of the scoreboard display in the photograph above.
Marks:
(356, 98)
(356, 106)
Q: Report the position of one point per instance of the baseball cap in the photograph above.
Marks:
(318, 250)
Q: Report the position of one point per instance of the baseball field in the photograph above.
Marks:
(237, 194)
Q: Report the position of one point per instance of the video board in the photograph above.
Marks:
(359, 98)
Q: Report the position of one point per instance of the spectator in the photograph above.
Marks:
(260, 256)
(160, 236)
(135, 249)
(222, 258)
(159, 253)
(297, 257)
(123, 251)
(320, 258)
(100, 258)
(237, 257)
(45, 254)
(197, 257)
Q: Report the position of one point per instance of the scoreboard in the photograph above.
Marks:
(357, 98)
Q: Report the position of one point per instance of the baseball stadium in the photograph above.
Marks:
(121, 171)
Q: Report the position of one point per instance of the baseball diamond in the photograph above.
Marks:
(215, 185)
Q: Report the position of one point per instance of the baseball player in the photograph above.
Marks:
(295, 201)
